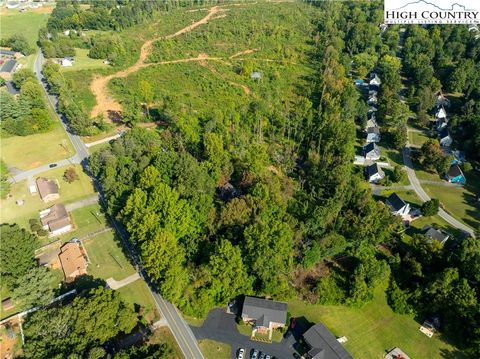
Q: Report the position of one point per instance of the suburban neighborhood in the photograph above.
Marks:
(239, 180)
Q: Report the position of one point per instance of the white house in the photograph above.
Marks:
(372, 100)
(374, 173)
(373, 134)
(56, 220)
(445, 138)
(67, 62)
(398, 207)
(371, 152)
(441, 113)
(375, 80)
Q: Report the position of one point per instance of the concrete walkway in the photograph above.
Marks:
(114, 284)
(82, 203)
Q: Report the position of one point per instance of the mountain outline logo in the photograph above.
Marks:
(438, 7)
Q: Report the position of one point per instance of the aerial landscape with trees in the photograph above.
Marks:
(228, 138)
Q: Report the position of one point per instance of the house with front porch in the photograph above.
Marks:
(264, 314)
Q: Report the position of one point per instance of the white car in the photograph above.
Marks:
(240, 353)
(255, 354)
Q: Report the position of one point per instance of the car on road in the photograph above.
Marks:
(254, 354)
(241, 352)
(51, 165)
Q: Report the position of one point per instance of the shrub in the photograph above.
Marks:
(70, 175)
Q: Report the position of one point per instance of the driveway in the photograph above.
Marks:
(221, 327)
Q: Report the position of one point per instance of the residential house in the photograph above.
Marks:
(372, 109)
(436, 235)
(441, 124)
(455, 175)
(373, 134)
(396, 353)
(8, 54)
(371, 152)
(398, 206)
(372, 99)
(441, 113)
(323, 345)
(375, 80)
(56, 220)
(72, 260)
(441, 100)
(264, 314)
(374, 173)
(445, 138)
(8, 68)
(48, 189)
(67, 61)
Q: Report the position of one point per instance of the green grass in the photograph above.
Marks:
(83, 62)
(69, 192)
(107, 259)
(87, 220)
(138, 293)
(196, 322)
(27, 152)
(245, 329)
(417, 139)
(374, 329)
(214, 350)
(26, 24)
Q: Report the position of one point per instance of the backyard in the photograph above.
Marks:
(107, 259)
(83, 62)
(375, 329)
(69, 192)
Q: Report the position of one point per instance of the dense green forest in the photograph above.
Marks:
(27, 113)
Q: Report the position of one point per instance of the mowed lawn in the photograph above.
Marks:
(137, 293)
(375, 329)
(107, 259)
(69, 192)
(417, 138)
(27, 23)
(83, 62)
(27, 152)
(214, 350)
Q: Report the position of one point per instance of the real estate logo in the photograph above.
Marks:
(432, 12)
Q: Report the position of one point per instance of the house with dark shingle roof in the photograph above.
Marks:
(371, 152)
(373, 134)
(436, 235)
(455, 175)
(374, 173)
(9, 66)
(445, 138)
(323, 345)
(264, 314)
(397, 205)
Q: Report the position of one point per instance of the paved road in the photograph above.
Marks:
(180, 329)
(81, 151)
(117, 284)
(412, 177)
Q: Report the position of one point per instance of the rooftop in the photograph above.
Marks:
(73, 261)
(395, 202)
(264, 311)
(323, 344)
(46, 187)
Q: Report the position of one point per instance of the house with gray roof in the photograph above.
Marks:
(436, 235)
(374, 173)
(371, 151)
(323, 345)
(264, 314)
(398, 206)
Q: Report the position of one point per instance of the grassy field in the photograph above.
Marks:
(83, 62)
(375, 329)
(107, 259)
(139, 294)
(69, 192)
(27, 152)
(214, 350)
(26, 24)
(164, 335)
(417, 139)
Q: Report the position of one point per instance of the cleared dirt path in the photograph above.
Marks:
(106, 104)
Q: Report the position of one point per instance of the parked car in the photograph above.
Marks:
(241, 352)
(51, 165)
(262, 356)
(255, 354)
(267, 357)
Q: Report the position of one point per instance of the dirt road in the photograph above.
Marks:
(106, 104)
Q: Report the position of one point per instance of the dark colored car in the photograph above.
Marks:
(51, 165)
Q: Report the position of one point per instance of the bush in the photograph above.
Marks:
(397, 299)
(70, 175)
(398, 174)
(430, 208)
(42, 232)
